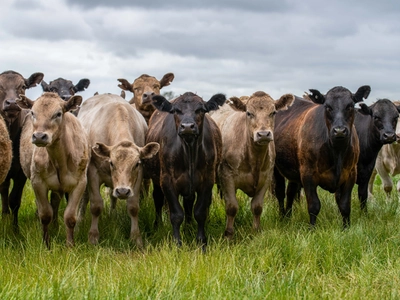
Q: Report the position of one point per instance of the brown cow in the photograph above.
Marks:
(54, 155)
(190, 150)
(13, 84)
(248, 152)
(116, 132)
(317, 145)
(143, 88)
(5, 151)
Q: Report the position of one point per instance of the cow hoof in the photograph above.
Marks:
(94, 238)
(229, 233)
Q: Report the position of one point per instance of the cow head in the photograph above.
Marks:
(189, 110)
(47, 114)
(260, 111)
(144, 87)
(65, 88)
(125, 160)
(339, 109)
(13, 84)
(384, 114)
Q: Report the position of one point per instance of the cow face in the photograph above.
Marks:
(189, 110)
(65, 88)
(384, 117)
(125, 160)
(339, 109)
(144, 87)
(260, 111)
(13, 84)
(47, 114)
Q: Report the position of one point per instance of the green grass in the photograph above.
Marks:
(285, 260)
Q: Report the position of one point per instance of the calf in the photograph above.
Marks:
(5, 151)
(54, 155)
(317, 145)
(143, 88)
(13, 84)
(248, 152)
(190, 149)
(376, 126)
(116, 132)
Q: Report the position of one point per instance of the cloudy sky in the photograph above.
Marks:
(234, 47)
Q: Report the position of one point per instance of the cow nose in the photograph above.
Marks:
(40, 138)
(10, 103)
(187, 128)
(122, 192)
(65, 97)
(264, 136)
(146, 97)
(389, 137)
(340, 131)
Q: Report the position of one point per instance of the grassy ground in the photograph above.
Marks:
(285, 260)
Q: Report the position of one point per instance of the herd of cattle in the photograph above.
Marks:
(69, 147)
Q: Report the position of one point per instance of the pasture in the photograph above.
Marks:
(285, 260)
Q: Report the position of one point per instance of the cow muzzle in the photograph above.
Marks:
(11, 108)
(389, 137)
(122, 192)
(40, 139)
(263, 137)
(146, 97)
(340, 132)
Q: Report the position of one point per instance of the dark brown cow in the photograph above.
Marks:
(65, 88)
(248, 152)
(190, 149)
(13, 84)
(5, 151)
(54, 156)
(317, 145)
(143, 88)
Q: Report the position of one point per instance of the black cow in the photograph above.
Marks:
(316, 145)
(376, 126)
(190, 149)
(13, 84)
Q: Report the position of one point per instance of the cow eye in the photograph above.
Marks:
(349, 108)
(53, 89)
(178, 111)
(328, 108)
(249, 114)
(24, 87)
(138, 163)
(111, 165)
(33, 115)
(57, 115)
(272, 114)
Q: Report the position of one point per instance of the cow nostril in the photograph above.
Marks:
(122, 192)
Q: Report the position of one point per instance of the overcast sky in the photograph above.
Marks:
(212, 46)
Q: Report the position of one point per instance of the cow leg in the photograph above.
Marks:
(313, 202)
(363, 194)
(83, 205)
(343, 200)
(16, 196)
(280, 191)
(257, 207)
(96, 203)
(132, 205)
(158, 197)
(386, 180)
(71, 211)
(201, 209)
(55, 199)
(45, 211)
(231, 207)
(293, 191)
(371, 183)
(177, 214)
(188, 203)
(4, 189)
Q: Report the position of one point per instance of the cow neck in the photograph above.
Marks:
(191, 151)
(257, 154)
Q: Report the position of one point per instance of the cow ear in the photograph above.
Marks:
(166, 80)
(215, 102)
(24, 102)
(45, 86)
(102, 150)
(161, 103)
(237, 104)
(149, 150)
(316, 96)
(125, 85)
(33, 80)
(122, 94)
(72, 103)
(362, 93)
(82, 85)
(364, 109)
(284, 102)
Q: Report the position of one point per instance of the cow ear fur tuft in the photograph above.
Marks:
(316, 96)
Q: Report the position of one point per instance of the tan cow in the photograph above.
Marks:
(387, 164)
(116, 132)
(248, 152)
(5, 151)
(54, 156)
(143, 88)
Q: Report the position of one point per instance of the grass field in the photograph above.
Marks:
(285, 260)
